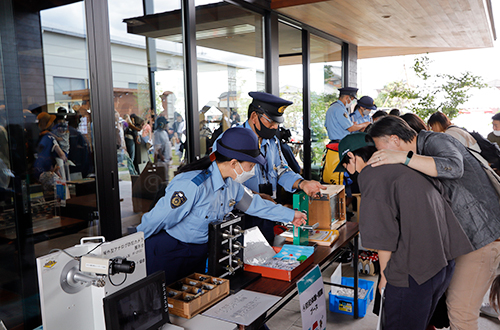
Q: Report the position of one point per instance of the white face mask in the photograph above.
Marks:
(497, 133)
(244, 175)
(366, 112)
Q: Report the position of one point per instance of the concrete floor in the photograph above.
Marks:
(289, 317)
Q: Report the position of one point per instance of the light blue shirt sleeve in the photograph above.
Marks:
(343, 119)
(337, 121)
(256, 206)
(163, 216)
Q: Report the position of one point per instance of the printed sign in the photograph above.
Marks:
(312, 300)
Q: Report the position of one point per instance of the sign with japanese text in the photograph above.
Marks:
(312, 300)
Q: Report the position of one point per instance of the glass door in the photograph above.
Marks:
(47, 174)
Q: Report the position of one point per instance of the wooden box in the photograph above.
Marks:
(329, 208)
(202, 291)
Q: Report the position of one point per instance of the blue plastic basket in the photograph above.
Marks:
(345, 305)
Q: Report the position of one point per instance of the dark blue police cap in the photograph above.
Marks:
(367, 102)
(241, 144)
(351, 91)
(270, 104)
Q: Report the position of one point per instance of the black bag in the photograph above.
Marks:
(489, 151)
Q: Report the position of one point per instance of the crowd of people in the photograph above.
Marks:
(430, 206)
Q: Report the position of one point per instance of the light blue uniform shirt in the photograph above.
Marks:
(359, 118)
(274, 158)
(337, 121)
(195, 199)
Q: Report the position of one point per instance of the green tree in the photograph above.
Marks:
(435, 92)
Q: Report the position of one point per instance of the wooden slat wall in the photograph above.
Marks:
(413, 25)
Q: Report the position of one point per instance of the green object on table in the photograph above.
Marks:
(301, 258)
(301, 203)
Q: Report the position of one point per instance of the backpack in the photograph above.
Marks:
(330, 162)
(489, 151)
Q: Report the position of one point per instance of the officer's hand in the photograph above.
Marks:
(299, 218)
(267, 197)
(311, 187)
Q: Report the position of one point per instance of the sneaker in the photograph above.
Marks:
(486, 309)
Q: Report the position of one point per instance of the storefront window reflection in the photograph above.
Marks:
(148, 81)
(326, 78)
(230, 65)
(291, 88)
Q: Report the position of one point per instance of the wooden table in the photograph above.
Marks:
(323, 257)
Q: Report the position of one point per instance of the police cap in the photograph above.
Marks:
(241, 144)
(271, 105)
(367, 103)
(351, 91)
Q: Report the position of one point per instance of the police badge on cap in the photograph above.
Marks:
(270, 104)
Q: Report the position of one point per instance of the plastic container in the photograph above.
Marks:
(345, 305)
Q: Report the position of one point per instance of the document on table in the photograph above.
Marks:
(242, 308)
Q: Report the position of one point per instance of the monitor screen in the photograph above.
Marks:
(139, 306)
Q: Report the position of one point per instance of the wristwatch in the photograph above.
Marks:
(408, 157)
(298, 185)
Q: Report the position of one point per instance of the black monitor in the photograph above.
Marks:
(139, 306)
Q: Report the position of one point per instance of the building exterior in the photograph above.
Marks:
(182, 57)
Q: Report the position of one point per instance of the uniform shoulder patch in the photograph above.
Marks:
(178, 198)
(201, 177)
(345, 114)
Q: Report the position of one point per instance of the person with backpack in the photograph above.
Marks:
(474, 202)
(474, 141)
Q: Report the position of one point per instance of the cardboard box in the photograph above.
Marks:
(190, 288)
(280, 274)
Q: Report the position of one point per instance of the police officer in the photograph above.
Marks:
(337, 121)
(265, 113)
(362, 110)
(176, 229)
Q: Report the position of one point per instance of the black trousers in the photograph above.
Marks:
(412, 308)
(176, 258)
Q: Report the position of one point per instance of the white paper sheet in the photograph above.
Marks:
(242, 308)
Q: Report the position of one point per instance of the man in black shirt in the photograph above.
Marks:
(406, 217)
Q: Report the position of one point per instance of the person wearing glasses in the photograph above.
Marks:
(337, 121)
(265, 113)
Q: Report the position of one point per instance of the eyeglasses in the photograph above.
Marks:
(270, 121)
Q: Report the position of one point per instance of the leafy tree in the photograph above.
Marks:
(436, 92)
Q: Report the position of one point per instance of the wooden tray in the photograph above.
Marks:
(188, 287)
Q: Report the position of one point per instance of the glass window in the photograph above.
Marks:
(291, 86)
(230, 65)
(326, 78)
(148, 82)
(47, 185)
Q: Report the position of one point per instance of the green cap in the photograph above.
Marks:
(350, 143)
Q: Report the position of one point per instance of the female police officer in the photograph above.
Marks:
(176, 229)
